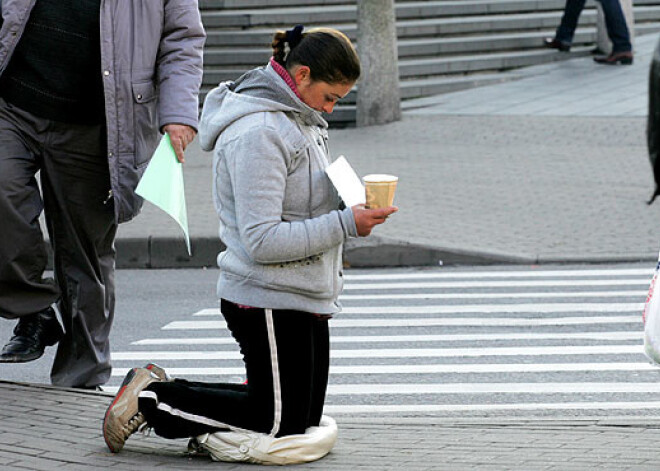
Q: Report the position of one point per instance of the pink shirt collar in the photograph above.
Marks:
(281, 71)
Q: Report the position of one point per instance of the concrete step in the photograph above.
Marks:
(219, 56)
(455, 12)
(416, 88)
(476, 62)
(278, 16)
(430, 65)
(418, 47)
(443, 45)
(500, 23)
(442, 66)
(436, 28)
(461, 7)
(347, 11)
(430, 27)
(243, 4)
(434, 66)
(265, 4)
(425, 26)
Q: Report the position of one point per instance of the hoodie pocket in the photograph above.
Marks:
(311, 276)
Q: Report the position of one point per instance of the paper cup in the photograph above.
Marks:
(380, 190)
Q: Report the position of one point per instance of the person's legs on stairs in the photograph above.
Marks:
(617, 29)
(566, 29)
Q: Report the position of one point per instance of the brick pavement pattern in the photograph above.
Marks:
(46, 428)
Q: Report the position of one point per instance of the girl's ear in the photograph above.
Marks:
(301, 75)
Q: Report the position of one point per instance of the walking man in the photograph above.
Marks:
(86, 88)
(617, 31)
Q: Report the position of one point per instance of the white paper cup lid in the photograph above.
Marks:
(380, 177)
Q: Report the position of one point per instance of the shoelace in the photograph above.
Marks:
(145, 429)
(133, 424)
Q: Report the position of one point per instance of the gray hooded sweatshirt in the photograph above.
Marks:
(278, 210)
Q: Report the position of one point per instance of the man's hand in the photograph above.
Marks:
(180, 135)
(366, 219)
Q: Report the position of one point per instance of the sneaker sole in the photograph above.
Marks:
(122, 389)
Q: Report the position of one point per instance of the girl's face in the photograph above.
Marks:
(319, 95)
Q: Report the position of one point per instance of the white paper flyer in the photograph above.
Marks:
(346, 181)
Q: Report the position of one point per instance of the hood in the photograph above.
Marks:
(259, 90)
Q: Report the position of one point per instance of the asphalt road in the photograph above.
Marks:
(466, 341)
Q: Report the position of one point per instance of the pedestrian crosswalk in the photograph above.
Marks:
(457, 341)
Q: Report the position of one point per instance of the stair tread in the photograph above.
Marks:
(444, 45)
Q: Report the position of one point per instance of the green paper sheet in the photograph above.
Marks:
(162, 185)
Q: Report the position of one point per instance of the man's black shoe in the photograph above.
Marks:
(554, 43)
(31, 336)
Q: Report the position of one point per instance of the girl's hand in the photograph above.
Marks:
(366, 219)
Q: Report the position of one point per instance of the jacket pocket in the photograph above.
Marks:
(145, 119)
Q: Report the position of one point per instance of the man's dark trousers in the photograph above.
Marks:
(615, 21)
(75, 184)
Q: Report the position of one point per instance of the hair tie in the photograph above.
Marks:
(294, 36)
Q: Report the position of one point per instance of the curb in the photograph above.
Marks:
(372, 252)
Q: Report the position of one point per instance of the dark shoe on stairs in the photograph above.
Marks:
(554, 43)
(624, 58)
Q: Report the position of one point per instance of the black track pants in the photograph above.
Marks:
(286, 355)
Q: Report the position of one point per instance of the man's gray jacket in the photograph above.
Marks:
(151, 59)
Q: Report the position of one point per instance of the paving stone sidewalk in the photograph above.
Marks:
(46, 428)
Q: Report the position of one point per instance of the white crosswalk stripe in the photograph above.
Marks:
(446, 341)
(412, 321)
(398, 353)
(413, 338)
(423, 275)
(480, 296)
(443, 368)
(482, 308)
(480, 284)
